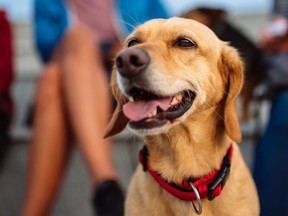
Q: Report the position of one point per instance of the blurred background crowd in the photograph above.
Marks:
(55, 64)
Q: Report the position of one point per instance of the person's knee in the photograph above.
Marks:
(49, 83)
(79, 39)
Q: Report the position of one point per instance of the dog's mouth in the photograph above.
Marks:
(146, 110)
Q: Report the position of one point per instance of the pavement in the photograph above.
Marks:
(75, 194)
(74, 197)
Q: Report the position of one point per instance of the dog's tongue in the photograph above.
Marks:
(139, 110)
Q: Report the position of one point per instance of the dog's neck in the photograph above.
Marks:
(191, 149)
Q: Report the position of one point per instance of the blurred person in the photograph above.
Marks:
(73, 96)
(270, 168)
(6, 80)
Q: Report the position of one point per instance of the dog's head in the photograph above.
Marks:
(170, 70)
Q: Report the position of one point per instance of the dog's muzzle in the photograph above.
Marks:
(147, 109)
(132, 62)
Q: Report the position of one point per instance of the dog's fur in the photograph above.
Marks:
(194, 144)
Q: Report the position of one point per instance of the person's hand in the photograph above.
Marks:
(275, 36)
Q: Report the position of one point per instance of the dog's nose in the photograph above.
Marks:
(132, 61)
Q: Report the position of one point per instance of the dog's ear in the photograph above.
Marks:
(118, 121)
(231, 66)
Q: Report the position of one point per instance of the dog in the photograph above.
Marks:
(176, 85)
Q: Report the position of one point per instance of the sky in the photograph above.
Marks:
(17, 9)
(232, 6)
(22, 9)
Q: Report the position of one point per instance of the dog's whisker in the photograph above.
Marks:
(137, 21)
(109, 88)
(129, 24)
(184, 15)
(214, 110)
(225, 92)
(133, 19)
(194, 83)
(116, 112)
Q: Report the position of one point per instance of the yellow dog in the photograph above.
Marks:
(176, 84)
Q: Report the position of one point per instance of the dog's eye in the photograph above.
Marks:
(133, 42)
(184, 42)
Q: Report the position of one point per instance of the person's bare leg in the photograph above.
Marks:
(49, 149)
(87, 93)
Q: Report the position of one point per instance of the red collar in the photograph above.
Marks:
(209, 186)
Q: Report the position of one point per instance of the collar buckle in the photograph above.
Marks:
(220, 179)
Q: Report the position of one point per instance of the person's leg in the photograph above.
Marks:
(81, 76)
(270, 174)
(88, 100)
(49, 149)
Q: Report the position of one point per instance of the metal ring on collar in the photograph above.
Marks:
(198, 210)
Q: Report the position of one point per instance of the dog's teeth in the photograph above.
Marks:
(153, 113)
(174, 102)
(179, 97)
(176, 99)
(131, 99)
